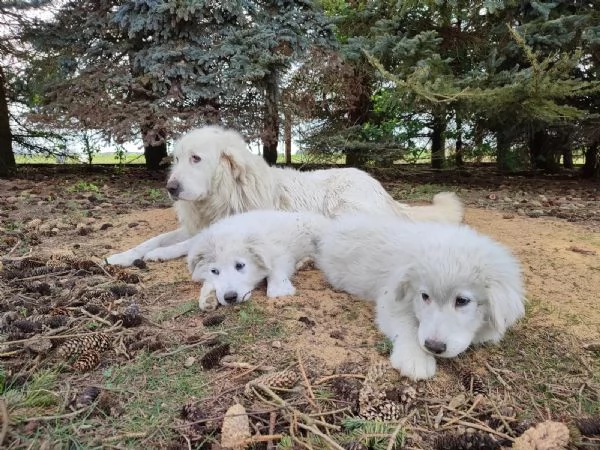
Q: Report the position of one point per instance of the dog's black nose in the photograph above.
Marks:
(173, 187)
(230, 297)
(436, 347)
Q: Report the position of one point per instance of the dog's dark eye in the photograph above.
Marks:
(462, 301)
(425, 296)
(214, 271)
(196, 159)
(239, 266)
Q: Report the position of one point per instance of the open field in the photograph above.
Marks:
(143, 375)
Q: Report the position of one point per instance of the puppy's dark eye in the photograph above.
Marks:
(195, 158)
(239, 266)
(462, 301)
(214, 271)
(425, 296)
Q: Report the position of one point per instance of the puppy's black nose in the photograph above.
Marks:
(230, 297)
(436, 347)
(173, 187)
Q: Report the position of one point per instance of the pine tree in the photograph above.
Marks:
(157, 68)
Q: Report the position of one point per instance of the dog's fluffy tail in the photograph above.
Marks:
(446, 208)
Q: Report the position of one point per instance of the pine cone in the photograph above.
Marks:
(122, 290)
(236, 427)
(191, 412)
(544, 436)
(465, 441)
(84, 344)
(213, 356)
(589, 426)
(285, 379)
(87, 397)
(87, 361)
(213, 320)
(473, 383)
(27, 326)
(45, 270)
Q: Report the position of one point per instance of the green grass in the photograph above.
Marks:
(99, 158)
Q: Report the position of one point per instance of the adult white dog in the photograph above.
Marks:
(236, 253)
(438, 287)
(215, 176)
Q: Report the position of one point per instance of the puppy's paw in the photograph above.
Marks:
(208, 300)
(280, 289)
(124, 259)
(154, 255)
(415, 364)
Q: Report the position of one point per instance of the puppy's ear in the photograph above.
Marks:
(198, 256)
(256, 248)
(400, 285)
(506, 303)
(233, 164)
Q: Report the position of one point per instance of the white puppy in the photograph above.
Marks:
(438, 287)
(236, 253)
(214, 176)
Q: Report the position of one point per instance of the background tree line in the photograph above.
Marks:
(377, 80)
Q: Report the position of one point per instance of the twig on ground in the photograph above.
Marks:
(327, 439)
(498, 376)
(116, 326)
(338, 375)
(95, 317)
(58, 416)
(392, 441)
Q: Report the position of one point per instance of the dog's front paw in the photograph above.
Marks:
(124, 259)
(154, 255)
(414, 364)
(280, 289)
(207, 300)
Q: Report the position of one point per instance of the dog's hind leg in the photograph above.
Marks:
(162, 240)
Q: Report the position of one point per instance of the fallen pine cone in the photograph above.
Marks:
(284, 379)
(473, 383)
(87, 361)
(91, 342)
(213, 320)
(547, 435)
(464, 441)
(236, 428)
(87, 397)
(213, 356)
(589, 426)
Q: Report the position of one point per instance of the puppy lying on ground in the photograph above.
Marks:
(236, 253)
(438, 287)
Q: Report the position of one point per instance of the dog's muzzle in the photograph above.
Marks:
(174, 189)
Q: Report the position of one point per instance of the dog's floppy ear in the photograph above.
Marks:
(233, 164)
(198, 256)
(506, 303)
(256, 248)
(399, 285)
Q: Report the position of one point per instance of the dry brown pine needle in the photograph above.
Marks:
(212, 358)
(355, 445)
(547, 435)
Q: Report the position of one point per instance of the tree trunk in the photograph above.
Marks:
(542, 153)
(8, 164)
(503, 150)
(438, 141)
(287, 133)
(458, 155)
(270, 134)
(567, 153)
(155, 147)
(591, 167)
(359, 111)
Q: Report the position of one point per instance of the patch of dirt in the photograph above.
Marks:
(546, 367)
